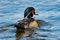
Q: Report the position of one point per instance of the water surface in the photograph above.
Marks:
(12, 10)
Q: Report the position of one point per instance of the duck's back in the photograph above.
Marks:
(31, 23)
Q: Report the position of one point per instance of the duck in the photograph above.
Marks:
(28, 21)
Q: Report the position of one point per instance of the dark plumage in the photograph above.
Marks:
(29, 22)
(26, 12)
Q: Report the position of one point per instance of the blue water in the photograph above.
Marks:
(12, 10)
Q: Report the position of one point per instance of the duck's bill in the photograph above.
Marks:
(35, 14)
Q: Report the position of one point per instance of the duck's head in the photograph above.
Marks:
(29, 12)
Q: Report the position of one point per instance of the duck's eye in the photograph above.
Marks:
(33, 11)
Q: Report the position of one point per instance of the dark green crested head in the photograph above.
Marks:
(28, 12)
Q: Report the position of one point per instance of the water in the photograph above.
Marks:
(12, 10)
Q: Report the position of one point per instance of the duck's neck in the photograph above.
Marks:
(30, 19)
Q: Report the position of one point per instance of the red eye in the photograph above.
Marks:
(33, 11)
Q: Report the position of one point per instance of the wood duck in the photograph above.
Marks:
(28, 21)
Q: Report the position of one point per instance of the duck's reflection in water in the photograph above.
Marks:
(22, 32)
